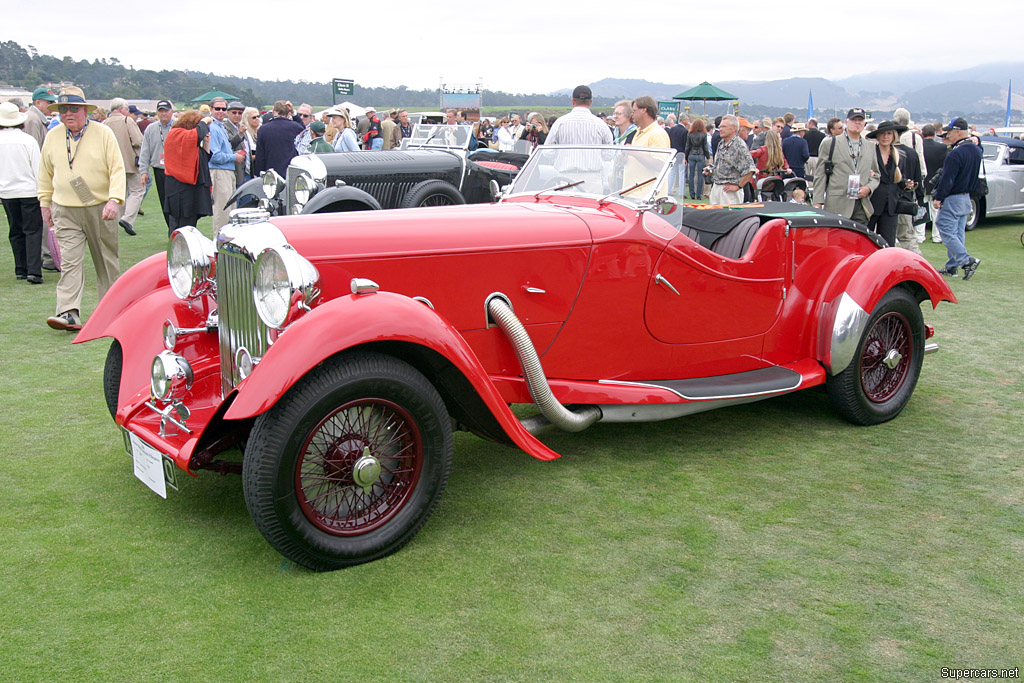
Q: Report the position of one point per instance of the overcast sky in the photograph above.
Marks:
(509, 47)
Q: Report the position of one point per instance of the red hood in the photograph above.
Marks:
(432, 230)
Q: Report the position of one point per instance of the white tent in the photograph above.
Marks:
(354, 110)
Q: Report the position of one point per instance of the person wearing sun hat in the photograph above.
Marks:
(19, 164)
(81, 186)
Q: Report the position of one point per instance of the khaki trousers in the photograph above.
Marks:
(720, 196)
(75, 227)
(906, 233)
(223, 187)
(129, 211)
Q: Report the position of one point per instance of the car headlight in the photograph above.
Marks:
(284, 283)
(272, 184)
(305, 186)
(191, 263)
(170, 377)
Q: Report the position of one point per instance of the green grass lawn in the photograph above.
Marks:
(771, 541)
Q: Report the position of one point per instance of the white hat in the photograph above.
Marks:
(333, 111)
(10, 116)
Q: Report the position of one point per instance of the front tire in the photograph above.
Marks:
(112, 376)
(350, 463)
(880, 380)
(432, 193)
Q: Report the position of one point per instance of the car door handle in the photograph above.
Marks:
(660, 279)
(534, 290)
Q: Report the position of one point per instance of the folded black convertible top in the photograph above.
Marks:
(721, 220)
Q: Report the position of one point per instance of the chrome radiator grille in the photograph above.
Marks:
(239, 325)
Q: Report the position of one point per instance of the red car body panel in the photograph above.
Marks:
(582, 277)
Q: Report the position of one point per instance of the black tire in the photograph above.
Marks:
(432, 193)
(869, 391)
(974, 217)
(300, 470)
(112, 376)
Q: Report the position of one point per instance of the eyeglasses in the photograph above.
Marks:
(256, 116)
(306, 116)
(220, 108)
(70, 109)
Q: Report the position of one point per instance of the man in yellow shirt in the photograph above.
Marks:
(645, 116)
(81, 186)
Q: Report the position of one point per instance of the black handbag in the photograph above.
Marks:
(906, 207)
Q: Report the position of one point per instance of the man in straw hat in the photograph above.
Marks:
(81, 186)
(19, 163)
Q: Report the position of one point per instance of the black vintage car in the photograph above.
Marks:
(434, 167)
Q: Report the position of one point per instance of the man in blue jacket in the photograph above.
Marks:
(952, 197)
(275, 145)
(222, 163)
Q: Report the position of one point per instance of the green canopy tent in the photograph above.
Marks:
(212, 95)
(705, 91)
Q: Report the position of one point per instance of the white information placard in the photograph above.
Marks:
(149, 466)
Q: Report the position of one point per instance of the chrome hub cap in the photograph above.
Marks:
(366, 471)
(892, 359)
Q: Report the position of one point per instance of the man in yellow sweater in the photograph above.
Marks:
(81, 185)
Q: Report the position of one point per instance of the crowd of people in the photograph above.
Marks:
(71, 172)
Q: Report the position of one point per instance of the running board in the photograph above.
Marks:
(749, 384)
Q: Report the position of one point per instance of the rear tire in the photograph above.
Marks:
(432, 193)
(881, 378)
(974, 217)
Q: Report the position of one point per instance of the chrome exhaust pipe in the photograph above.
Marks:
(552, 411)
(931, 347)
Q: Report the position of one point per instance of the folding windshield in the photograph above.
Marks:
(634, 173)
(426, 135)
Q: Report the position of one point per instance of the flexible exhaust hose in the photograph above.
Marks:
(536, 382)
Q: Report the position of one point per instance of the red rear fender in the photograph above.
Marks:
(352, 320)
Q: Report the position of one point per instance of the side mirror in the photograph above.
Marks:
(495, 189)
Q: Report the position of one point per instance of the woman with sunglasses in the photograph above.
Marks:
(624, 129)
(249, 126)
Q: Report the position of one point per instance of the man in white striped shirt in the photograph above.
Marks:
(580, 126)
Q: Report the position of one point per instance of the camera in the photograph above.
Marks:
(709, 169)
(830, 167)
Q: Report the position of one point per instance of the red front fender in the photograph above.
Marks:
(148, 275)
(352, 320)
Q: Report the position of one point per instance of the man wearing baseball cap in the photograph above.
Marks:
(151, 156)
(37, 125)
(37, 122)
(843, 180)
(952, 197)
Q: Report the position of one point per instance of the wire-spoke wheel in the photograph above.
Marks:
(350, 463)
(433, 193)
(358, 467)
(880, 380)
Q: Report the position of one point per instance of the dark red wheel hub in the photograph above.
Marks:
(886, 359)
(367, 428)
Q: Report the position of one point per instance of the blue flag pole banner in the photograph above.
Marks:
(1009, 95)
(810, 105)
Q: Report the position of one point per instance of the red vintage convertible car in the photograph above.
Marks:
(338, 352)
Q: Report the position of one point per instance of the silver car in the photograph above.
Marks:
(1004, 169)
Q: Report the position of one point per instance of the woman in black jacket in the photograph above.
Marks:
(696, 153)
(891, 184)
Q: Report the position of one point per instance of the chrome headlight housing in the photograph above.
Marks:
(284, 284)
(191, 263)
(170, 377)
(273, 184)
(305, 186)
